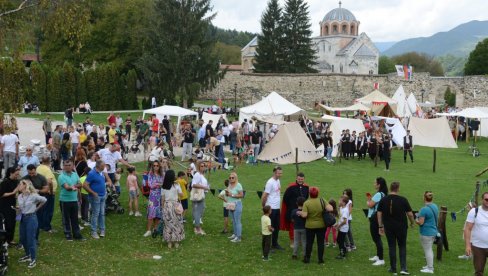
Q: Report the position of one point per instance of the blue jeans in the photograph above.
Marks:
(40, 221)
(48, 212)
(329, 153)
(28, 229)
(98, 213)
(236, 219)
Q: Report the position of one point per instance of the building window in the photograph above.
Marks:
(332, 68)
(344, 29)
(330, 48)
(326, 32)
(341, 68)
(334, 29)
(352, 31)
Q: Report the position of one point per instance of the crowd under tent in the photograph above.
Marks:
(290, 145)
(339, 124)
(483, 131)
(380, 104)
(396, 127)
(354, 108)
(272, 106)
(170, 111)
(469, 113)
(206, 117)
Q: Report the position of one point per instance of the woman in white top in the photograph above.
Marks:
(198, 206)
(174, 231)
(349, 238)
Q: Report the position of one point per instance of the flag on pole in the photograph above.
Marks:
(399, 69)
(405, 71)
(376, 86)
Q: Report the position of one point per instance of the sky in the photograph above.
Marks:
(381, 20)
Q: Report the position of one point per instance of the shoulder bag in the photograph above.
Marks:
(329, 219)
(438, 236)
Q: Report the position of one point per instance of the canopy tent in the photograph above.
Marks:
(380, 104)
(282, 149)
(354, 107)
(339, 124)
(484, 123)
(414, 106)
(206, 117)
(428, 104)
(401, 98)
(396, 127)
(170, 110)
(269, 120)
(272, 106)
(433, 133)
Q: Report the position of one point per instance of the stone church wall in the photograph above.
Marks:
(341, 90)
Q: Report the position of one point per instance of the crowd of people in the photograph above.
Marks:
(91, 158)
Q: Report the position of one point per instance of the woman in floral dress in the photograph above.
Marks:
(155, 181)
(174, 231)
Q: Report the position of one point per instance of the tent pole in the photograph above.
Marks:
(296, 159)
(467, 130)
(435, 159)
(456, 131)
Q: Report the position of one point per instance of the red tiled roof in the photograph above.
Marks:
(29, 57)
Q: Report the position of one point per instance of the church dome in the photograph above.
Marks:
(339, 14)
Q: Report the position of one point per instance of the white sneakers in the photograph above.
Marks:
(147, 234)
(425, 269)
(374, 259)
(131, 213)
(379, 262)
(137, 214)
(232, 237)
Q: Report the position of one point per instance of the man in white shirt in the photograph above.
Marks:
(272, 197)
(153, 102)
(475, 235)
(111, 156)
(75, 139)
(9, 148)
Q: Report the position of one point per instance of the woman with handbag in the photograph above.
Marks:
(313, 210)
(173, 232)
(155, 182)
(199, 185)
(234, 195)
(427, 219)
(372, 201)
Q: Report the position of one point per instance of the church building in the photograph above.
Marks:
(339, 48)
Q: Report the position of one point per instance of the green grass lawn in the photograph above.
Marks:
(125, 252)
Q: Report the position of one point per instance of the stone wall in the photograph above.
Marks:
(341, 90)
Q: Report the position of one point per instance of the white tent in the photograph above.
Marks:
(396, 127)
(282, 149)
(484, 123)
(214, 117)
(273, 106)
(402, 106)
(354, 107)
(338, 125)
(414, 106)
(170, 110)
(380, 103)
(433, 133)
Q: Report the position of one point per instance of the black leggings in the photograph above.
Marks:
(310, 234)
(374, 230)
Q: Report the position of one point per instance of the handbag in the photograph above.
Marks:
(231, 206)
(438, 236)
(329, 219)
(197, 194)
(179, 208)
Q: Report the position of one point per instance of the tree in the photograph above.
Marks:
(299, 55)
(39, 82)
(131, 83)
(450, 97)
(478, 60)
(69, 98)
(420, 62)
(386, 65)
(269, 50)
(14, 83)
(178, 57)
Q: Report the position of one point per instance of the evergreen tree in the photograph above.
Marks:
(39, 83)
(269, 48)
(14, 83)
(178, 58)
(131, 83)
(299, 55)
(92, 89)
(80, 86)
(478, 60)
(68, 96)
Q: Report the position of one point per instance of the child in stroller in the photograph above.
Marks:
(112, 203)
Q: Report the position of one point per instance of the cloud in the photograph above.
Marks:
(382, 20)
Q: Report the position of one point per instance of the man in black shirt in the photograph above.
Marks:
(188, 138)
(209, 132)
(392, 220)
(256, 139)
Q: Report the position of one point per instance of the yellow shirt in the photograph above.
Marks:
(82, 180)
(82, 138)
(111, 135)
(183, 184)
(265, 223)
(48, 174)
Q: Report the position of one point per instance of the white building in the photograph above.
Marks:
(339, 48)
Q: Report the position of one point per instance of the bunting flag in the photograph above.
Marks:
(260, 194)
(465, 208)
(212, 191)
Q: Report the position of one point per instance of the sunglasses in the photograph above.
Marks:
(28, 150)
(231, 177)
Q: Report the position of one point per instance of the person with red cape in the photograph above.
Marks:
(295, 190)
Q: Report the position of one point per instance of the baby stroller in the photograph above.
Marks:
(3, 247)
(112, 203)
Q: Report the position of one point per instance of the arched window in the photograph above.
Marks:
(353, 32)
(326, 30)
(332, 68)
(344, 29)
(334, 29)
